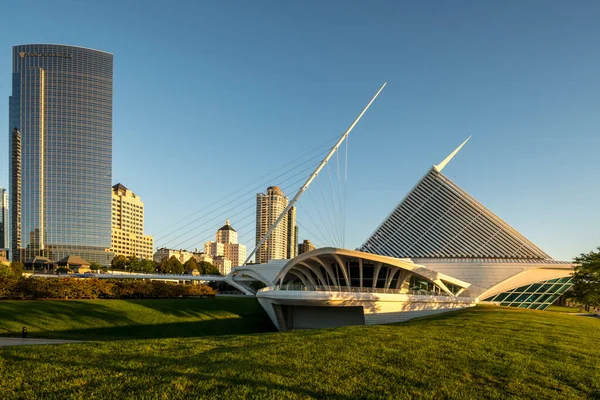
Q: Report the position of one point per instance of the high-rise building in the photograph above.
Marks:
(305, 247)
(226, 246)
(128, 237)
(4, 223)
(281, 243)
(60, 115)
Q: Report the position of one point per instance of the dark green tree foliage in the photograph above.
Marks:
(94, 266)
(119, 262)
(147, 266)
(206, 268)
(133, 264)
(190, 265)
(17, 268)
(171, 266)
(586, 287)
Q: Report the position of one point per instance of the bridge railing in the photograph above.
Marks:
(353, 289)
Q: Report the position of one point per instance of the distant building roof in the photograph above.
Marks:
(227, 227)
(120, 186)
(39, 260)
(73, 260)
(275, 190)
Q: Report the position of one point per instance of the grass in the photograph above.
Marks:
(132, 319)
(483, 352)
(563, 309)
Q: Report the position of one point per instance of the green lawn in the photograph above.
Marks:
(133, 319)
(484, 352)
(563, 309)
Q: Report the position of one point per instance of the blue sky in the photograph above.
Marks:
(210, 95)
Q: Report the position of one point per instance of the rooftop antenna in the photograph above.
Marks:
(313, 176)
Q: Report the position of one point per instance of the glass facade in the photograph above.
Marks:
(61, 104)
(536, 296)
(4, 221)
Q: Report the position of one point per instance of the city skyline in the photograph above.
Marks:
(532, 110)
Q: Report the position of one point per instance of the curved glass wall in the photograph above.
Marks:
(62, 105)
(536, 296)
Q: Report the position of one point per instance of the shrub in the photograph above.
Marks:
(7, 286)
(199, 291)
(12, 287)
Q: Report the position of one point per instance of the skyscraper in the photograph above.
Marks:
(4, 224)
(281, 244)
(60, 115)
(128, 237)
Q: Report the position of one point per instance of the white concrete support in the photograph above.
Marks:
(328, 269)
(376, 274)
(342, 266)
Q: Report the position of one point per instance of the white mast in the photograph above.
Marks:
(441, 165)
(313, 176)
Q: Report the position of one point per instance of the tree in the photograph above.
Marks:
(5, 271)
(17, 268)
(148, 266)
(119, 262)
(94, 266)
(206, 268)
(133, 264)
(171, 266)
(586, 279)
(190, 265)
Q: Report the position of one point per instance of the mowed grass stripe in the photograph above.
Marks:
(129, 319)
(484, 352)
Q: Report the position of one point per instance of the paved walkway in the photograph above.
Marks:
(4, 341)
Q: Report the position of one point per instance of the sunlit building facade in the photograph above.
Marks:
(226, 246)
(181, 255)
(4, 220)
(127, 221)
(282, 243)
(305, 247)
(60, 118)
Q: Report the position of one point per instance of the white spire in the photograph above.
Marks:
(441, 165)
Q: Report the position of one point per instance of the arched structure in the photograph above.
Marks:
(332, 269)
(331, 287)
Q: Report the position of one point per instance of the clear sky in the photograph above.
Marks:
(210, 95)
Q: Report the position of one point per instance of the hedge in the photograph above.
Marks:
(13, 288)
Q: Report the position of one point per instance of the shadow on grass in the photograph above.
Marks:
(191, 307)
(40, 314)
(214, 327)
(132, 319)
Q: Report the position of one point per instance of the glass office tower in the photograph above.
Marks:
(60, 116)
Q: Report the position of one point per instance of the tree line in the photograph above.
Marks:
(169, 265)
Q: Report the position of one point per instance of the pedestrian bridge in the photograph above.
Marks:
(239, 277)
